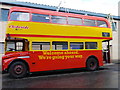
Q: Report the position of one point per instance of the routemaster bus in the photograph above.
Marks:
(43, 40)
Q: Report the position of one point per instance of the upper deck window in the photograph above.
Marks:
(59, 19)
(88, 22)
(20, 16)
(74, 21)
(101, 24)
(40, 18)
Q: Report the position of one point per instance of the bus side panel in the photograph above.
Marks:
(54, 60)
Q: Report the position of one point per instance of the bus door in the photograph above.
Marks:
(106, 51)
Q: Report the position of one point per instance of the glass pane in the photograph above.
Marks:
(59, 45)
(41, 45)
(40, 18)
(90, 45)
(1, 47)
(10, 46)
(4, 14)
(114, 26)
(89, 22)
(76, 45)
(101, 24)
(35, 47)
(19, 46)
(20, 16)
(45, 47)
(74, 21)
(59, 19)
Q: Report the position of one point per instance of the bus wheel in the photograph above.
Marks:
(17, 70)
(92, 64)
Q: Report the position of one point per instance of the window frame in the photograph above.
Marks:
(2, 46)
(4, 14)
(61, 44)
(39, 16)
(95, 23)
(116, 26)
(66, 19)
(20, 12)
(67, 46)
(102, 26)
(40, 45)
(79, 48)
(15, 44)
(91, 48)
(59, 16)
(81, 23)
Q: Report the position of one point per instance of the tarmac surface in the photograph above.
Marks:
(106, 77)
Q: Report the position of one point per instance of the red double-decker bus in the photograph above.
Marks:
(42, 40)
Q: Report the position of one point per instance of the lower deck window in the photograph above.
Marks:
(76, 45)
(59, 45)
(90, 45)
(41, 45)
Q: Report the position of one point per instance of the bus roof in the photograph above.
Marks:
(48, 12)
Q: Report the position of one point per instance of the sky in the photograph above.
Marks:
(98, 6)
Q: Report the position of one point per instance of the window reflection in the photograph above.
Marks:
(20, 16)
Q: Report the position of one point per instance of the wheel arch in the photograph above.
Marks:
(19, 60)
(92, 56)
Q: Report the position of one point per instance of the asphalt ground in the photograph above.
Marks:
(106, 77)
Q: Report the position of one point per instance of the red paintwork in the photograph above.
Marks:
(54, 61)
(48, 12)
(14, 54)
(56, 36)
(11, 56)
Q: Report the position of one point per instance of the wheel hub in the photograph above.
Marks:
(18, 69)
(92, 65)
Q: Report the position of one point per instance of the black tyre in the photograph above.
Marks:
(17, 70)
(92, 64)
